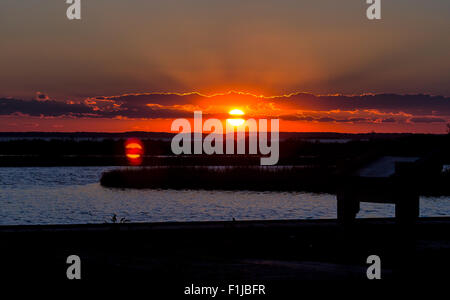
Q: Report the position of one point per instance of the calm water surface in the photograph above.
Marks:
(72, 195)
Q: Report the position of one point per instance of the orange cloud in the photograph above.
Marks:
(382, 111)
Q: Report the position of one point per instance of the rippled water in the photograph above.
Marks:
(72, 195)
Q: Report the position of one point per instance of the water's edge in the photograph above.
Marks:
(72, 195)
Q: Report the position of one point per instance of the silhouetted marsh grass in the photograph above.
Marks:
(314, 179)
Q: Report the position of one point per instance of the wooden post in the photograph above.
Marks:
(407, 207)
(347, 206)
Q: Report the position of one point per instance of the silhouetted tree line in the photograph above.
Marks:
(292, 151)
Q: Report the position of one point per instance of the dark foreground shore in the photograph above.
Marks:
(277, 253)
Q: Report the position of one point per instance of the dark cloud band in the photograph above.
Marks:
(380, 108)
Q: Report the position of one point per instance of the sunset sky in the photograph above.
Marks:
(137, 65)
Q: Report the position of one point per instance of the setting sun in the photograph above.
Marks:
(236, 122)
(236, 112)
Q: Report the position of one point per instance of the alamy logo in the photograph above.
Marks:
(213, 143)
(74, 270)
(374, 270)
(374, 10)
(74, 10)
